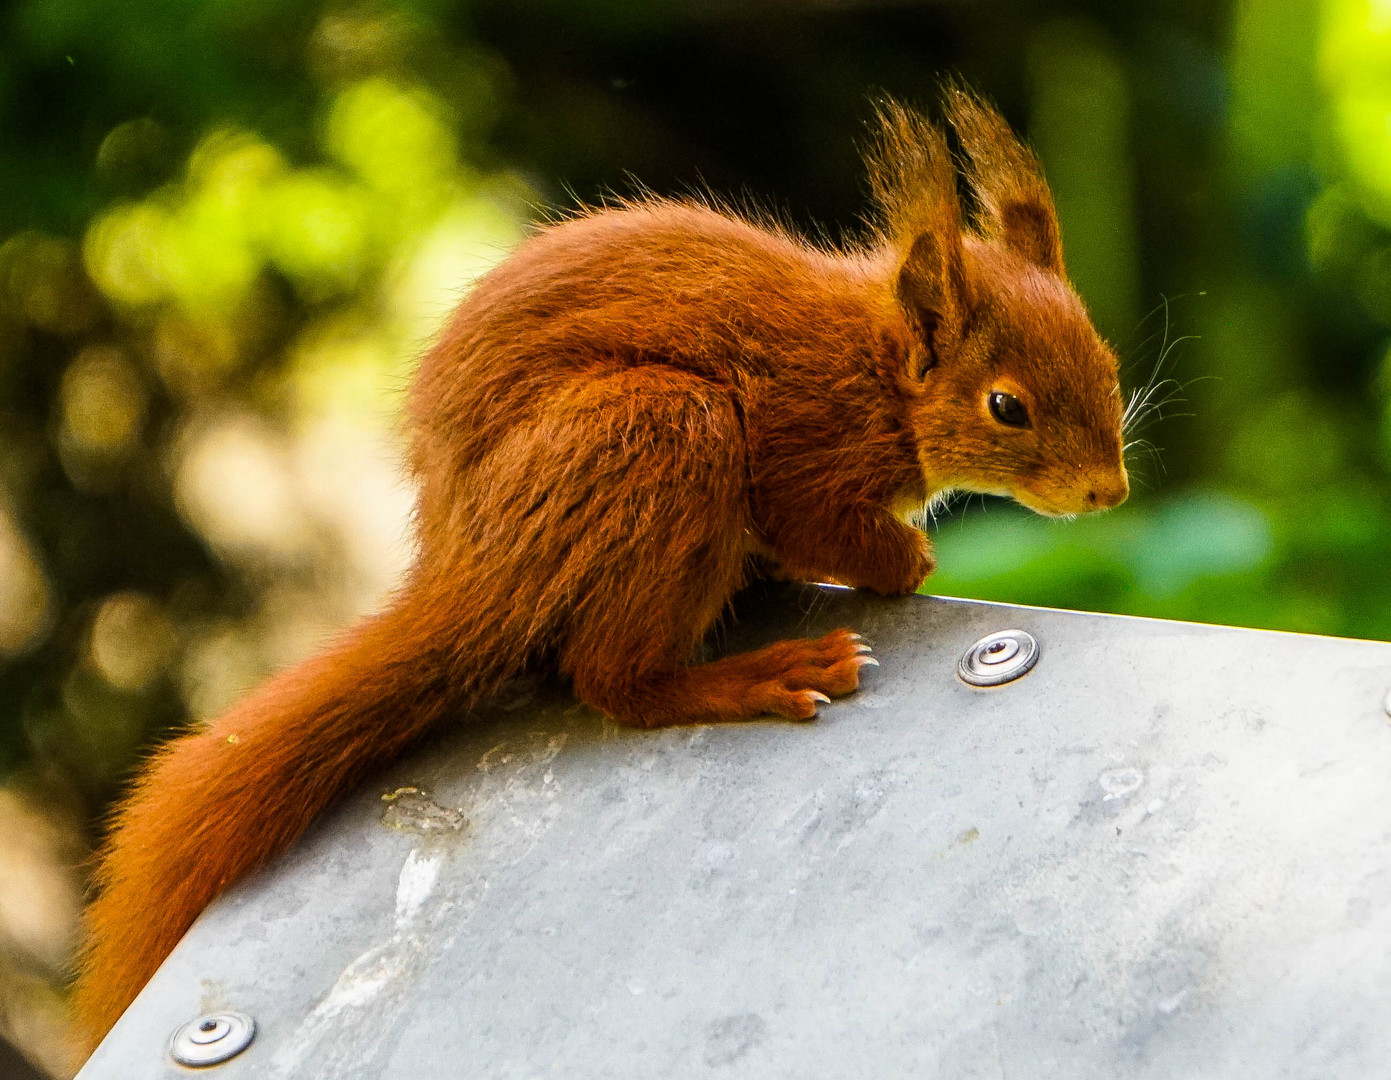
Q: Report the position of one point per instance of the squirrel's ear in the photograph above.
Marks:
(930, 281)
(914, 183)
(1015, 203)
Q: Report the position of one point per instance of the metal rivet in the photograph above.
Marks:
(998, 658)
(212, 1039)
(1000, 652)
(210, 1031)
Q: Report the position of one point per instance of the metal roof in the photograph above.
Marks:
(1163, 852)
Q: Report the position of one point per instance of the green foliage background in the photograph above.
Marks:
(227, 226)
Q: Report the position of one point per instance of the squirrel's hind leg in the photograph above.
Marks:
(656, 547)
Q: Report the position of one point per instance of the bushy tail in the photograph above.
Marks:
(215, 804)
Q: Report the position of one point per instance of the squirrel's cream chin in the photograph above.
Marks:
(1043, 510)
(1088, 499)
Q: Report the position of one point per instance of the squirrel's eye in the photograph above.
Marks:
(1008, 409)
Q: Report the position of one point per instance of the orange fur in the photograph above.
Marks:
(618, 423)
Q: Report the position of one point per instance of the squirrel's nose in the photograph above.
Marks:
(1104, 492)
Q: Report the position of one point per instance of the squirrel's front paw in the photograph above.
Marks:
(917, 563)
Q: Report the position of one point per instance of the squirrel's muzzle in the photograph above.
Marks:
(1107, 490)
(1063, 493)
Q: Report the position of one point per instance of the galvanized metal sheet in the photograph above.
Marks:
(1164, 852)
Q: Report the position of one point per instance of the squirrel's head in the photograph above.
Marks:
(1010, 389)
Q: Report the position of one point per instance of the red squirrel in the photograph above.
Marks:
(619, 421)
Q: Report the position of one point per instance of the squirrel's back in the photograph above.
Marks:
(677, 285)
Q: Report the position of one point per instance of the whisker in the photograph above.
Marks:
(1157, 398)
(1142, 406)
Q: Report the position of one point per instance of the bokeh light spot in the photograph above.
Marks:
(102, 401)
(26, 599)
(41, 278)
(123, 251)
(131, 641)
(395, 139)
(316, 231)
(233, 485)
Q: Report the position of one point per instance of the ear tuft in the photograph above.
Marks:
(913, 179)
(912, 176)
(1016, 205)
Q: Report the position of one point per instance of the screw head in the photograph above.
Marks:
(998, 658)
(1000, 651)
(212, 1039)
(211, 1030)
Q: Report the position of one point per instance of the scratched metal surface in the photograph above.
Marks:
(1166, 852)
